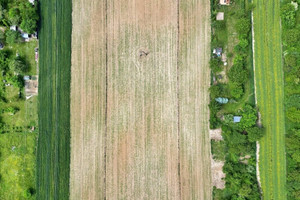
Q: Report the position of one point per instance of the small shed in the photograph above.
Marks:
(14, 28)
(237, 119)
(25, 35)
(31, 1)
(221, 100)
(218, 52)
(225, 2)
(220, 16)
(26, 78)
(31, 86)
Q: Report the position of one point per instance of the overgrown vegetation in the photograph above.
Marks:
(53, 157)
(18, 118)
(233, 80)
(290, 16)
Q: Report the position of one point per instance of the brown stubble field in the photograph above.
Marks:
(88, 100)
(139, 100)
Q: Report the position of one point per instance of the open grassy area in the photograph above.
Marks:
(53, 156)
(17, 163)
(269, 92)
(26, 51)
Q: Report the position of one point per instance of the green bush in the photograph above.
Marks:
(12, 37)
(238, 74)
(288, 15)
(215, 65)
(18, 65)
(254, 133)
(243, 26)
(236, 90)
(291, 37)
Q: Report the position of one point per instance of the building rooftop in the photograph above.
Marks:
(220, 16)
(225, 2)
(237, 119)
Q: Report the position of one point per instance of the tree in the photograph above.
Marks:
(17, 65)
(215, 65)
(243, 26)
(2, 12)
(12, 37)
(29, 16)
(291, 60)
(288, 15)
(238, 74)
(215, 91)
(293, 114)
(14, 16)
(244, 43)
(291, 37)
(255, 133)
(249, 117)
(3, 60)
(236, 90)
(17, 81)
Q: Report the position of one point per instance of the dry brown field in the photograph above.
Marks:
(139, 100)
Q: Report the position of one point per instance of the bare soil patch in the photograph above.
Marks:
(217, 174)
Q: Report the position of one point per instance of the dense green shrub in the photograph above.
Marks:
(243, 26)
(238, 74)
(12, 37)
(216, 65)
(236, 90)
(18, 65)
(288, 15)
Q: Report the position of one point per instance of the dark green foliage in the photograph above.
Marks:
(3, 60)
(53, 151)
(12, 37)
(214, 108)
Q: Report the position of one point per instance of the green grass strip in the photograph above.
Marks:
(269, 91)
(53, 155)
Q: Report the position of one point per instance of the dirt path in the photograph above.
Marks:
(140, 81)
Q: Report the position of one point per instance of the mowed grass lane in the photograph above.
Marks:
(53, 157)
(269, 91)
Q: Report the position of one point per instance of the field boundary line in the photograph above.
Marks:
(253, 66)
(178, 104)
(106, 86)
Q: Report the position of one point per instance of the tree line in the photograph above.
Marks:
(290, 17)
